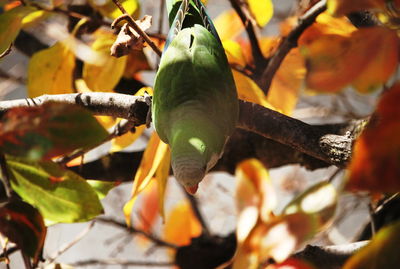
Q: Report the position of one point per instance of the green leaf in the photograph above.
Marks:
(319, 200)
(101, 187)
(23, 225)
(381, 252)
(59, 194)
(10, 25)
(47, 131)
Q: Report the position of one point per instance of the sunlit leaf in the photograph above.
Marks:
(286, 84)
(344, 7)
(121, 142)
(284, 235)
(181, 225)
(49, 130)
(106, 76)
(249, 91)
(381, 252)
(152, 157)
(102, 187)
(319, 200)
(60, 195)
(148, 210)
(228, 25)
(234, 52)
(162, 175)
(262, 11)
(375, 162)
(10, 25)
(22, 224)
(384, 54)
(255, 196)
(50, 71)
(335, 61)
(108, 9)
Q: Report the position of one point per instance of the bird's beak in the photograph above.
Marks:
(193, 189)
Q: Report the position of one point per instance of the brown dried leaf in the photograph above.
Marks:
(128, 39)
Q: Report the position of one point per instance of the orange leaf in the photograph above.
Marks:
(181, 225)
(335, 61)
(154, 153)
(148, 211)
(228, 25)
(384, 54)
(375, 162)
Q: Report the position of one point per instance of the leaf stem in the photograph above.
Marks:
(5, 176)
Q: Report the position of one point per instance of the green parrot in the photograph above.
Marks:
(195, 105)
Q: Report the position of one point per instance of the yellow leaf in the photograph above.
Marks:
(284, 91)
(10, 25)
(162, 175)
(106, 121)
(108, 9)
(181, 225)
(121, 142)
(228, 25)
(50, 71)
(343, 7)
(234, 52)
(152, 157)
(262, 11)
(104, 77)
(149, 207)
(249, 91)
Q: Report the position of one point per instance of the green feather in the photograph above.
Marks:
(195, 106)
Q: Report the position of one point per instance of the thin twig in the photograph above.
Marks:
(120, 129)
(161, 17)
(68, 245)
(332, 177)
(196, 210)
(5, 253)
(133, 230)
(27, 261)
(5, 177)
(372, 219)
(8, 252)
(6, 52)
(135, 27)
(121, 263)
(288, 43)
(248, 22)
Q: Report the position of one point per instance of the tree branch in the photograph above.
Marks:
(329, 257)
(242, 10)
(288, 43)
(314, 141)
(123, 263)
